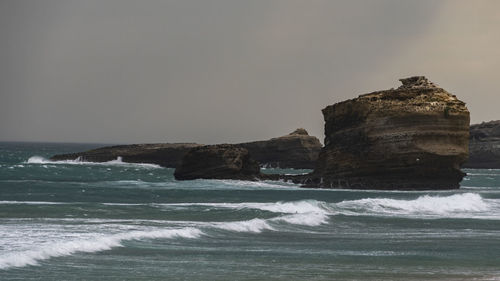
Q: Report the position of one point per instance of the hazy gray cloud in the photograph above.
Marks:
(225, 70)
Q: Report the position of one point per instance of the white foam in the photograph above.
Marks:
(254, 225)
(258, 184)
(457, 205)
(308, 219)
(96, 244)
(31, 203)
(294, 207)
(308, 212)
(78, 161)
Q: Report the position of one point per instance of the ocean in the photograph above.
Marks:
(71, 220)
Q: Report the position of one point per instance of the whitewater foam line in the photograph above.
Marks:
(293, 207)
(97, 244)
(78, 161)
(466, 205)
(463, 205)
(107, 242)
(31, 203)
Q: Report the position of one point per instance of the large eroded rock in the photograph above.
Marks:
(221, 161)
(296, 150)
(163, 154)
(484, 146)
(413, 137)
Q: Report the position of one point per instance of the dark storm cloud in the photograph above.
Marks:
(220, 71)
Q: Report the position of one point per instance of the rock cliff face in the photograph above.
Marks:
(484, 146)
(295, 150)
(163, 154)
(413, 137)
(222, 161)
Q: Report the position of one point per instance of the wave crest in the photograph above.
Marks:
(99, 243)
(454, 205)
(78, 161)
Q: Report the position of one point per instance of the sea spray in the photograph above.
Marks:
(78, 161)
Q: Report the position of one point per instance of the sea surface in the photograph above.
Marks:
(72, 220)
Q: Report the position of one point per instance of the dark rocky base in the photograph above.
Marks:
(373, 183)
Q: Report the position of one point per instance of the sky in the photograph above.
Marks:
(228, 71)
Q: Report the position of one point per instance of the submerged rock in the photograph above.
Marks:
(413, 137)
(163, 154)
(484, 146)
(296, 150)
(221, 161)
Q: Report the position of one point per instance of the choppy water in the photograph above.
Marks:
(117, 221)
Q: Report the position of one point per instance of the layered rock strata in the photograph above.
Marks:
(484, 146)
(222, 161)
(296, 150)
(163, 154)
(413, 137)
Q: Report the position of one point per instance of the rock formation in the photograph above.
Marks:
(413, 137)
(163, 154)
(484, 146)
(296, 150)
(222, 161)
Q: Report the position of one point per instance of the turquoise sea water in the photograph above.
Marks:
(117, 221)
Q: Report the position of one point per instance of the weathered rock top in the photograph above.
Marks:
(417, 94)
(299, 132)
(416, 82)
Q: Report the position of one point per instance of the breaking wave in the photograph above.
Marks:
(293, 207)
(466, 205)
(97, 244)
(304, 212)
(78, 161)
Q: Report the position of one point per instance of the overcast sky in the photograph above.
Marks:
(212, 71)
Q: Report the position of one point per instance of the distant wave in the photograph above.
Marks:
(293, 207)
(466, 205)
(30, 203)
(78, 161)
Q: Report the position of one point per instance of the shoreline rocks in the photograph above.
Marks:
(484, 146)
(164, 154)
(413, 137)
(297, 150)
(221, 161)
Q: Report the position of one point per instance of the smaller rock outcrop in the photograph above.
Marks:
(221, 161)
(163, 154)
(296, 150)
(484, 146)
